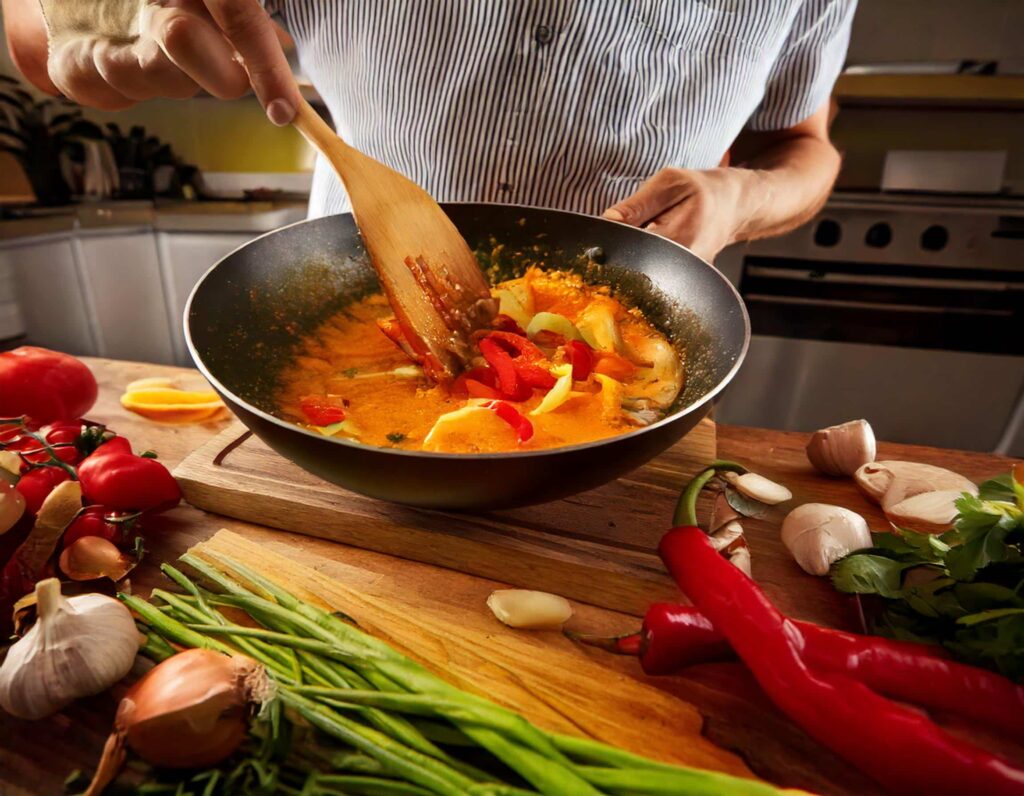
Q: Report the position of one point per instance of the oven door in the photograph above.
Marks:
(928, 355)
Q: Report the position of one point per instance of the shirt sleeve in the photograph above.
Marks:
(807, 65)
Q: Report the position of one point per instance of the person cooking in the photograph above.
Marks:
(635, 109)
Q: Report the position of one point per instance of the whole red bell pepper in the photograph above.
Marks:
(127, 482)
(45, 386)
(901, 748)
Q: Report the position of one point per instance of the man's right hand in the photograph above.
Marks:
(117, 56)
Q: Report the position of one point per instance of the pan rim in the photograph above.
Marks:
(436, 455)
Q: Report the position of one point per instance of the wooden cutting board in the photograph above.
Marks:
(597, 547)
(528, 672)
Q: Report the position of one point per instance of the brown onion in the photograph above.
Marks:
(191, 711)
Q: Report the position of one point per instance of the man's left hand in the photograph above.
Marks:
(700, 209)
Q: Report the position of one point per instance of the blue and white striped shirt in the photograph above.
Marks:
(559, 103)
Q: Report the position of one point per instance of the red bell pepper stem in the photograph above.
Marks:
(675, 636)
(901, 748)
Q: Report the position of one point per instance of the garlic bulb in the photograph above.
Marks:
(818, 535)
(529, 610)
(79, 646)
(840, 450)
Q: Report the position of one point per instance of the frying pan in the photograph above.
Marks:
(247, 314)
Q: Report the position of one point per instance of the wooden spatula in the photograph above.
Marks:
(431, 278)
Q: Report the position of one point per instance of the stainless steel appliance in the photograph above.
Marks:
(905, 310)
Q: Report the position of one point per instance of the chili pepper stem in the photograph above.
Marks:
(686, 507)
(627, 644)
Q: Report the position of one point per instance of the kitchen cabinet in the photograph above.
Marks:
(125, 289)
(184, 258)
(50, 291)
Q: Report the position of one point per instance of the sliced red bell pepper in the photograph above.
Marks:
(508, 382)
(901, 748)
(523, 427)
(481, 375)
(516, 345)
(322, 410)
(534, 375)
(581, 357)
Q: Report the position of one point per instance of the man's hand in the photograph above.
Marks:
(785, 180)
(109, 54)
(699, 209)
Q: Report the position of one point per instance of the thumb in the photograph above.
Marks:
(663, 190)
(246, 24)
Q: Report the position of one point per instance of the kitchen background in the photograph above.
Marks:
(902, 302)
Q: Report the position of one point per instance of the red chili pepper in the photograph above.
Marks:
(127, 482)
(47, 386)
(523, 427)
(506, 323)
(675, 636)
(92, 521)
(38, 483)
(581, 357)
(901, 748)
(322, 410)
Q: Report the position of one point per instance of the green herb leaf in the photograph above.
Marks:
(998, 488)
(350, 373)
(865, 573)
(396, 437)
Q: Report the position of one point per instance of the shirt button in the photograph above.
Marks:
(542, 34)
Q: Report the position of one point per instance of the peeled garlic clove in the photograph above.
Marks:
(895, 481)
(92, 557)
(529, 610)
(78, 646)
(927, 512)
(759, 488)
(840, 450)
(727, 536)
(818, 534)
(722, 513)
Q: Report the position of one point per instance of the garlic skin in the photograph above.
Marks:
(759, 488)
(895, 481)
(529, 610)
(818, 534)
(841, 449)
(78, 646)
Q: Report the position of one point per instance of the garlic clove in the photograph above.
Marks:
(841, 449)
(722, 513)
(78, 646)
(92, 557)
(727, 536)
(926, 512)
(740, 558)
(907, 479)
(529, 610)
(818, 534)
(759, 488)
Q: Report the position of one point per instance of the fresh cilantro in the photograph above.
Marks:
(963, 589)
(350, 373)
(396, 437)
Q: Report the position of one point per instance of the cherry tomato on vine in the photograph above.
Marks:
(37, 484)
(92, 521)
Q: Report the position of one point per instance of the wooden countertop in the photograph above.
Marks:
(36, 757)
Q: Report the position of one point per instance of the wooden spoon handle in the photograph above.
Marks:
(311, 124)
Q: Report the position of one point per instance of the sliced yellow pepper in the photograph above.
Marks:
(558, 394)
(552, 322)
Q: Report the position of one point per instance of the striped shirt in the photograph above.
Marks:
(569, 104)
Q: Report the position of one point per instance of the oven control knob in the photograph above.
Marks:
(827, 233)
(878, 235)
(935, 238)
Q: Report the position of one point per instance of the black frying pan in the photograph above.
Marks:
(246, 315)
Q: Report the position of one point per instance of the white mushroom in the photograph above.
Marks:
(840, 450)
(818, 534)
